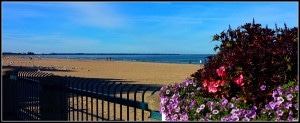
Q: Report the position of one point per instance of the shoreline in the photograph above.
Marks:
(20, 56)
(192, 62)
(134, 71)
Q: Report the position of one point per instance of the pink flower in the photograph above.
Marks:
(239, 81)
(221, 71)
(215, 84)
(221, 82)
(212, 87)
(204, 83)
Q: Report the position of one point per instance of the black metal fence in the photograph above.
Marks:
(43, 96)
(26, 99)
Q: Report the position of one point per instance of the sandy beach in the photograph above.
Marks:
(137, 72)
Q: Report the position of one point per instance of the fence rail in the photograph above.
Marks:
(44, 96)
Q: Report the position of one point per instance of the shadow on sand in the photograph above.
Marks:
(28, 92)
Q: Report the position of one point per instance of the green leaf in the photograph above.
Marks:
(289, 67)
(216, 37)
(228, 45)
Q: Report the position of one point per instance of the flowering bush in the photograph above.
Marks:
(252, 78)
(249, 57)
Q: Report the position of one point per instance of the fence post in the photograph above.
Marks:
(54, 103)
(8, 86)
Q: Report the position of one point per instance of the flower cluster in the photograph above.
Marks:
(214, 86)
(177, 100)
(181, 102)
(239, 80)
(284, 106)
(221, 71)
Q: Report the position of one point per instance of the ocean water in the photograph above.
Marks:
(158, 58)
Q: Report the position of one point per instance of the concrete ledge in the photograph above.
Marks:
(153, 101)
(6, 73)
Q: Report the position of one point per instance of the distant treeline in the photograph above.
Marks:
(10, 53)
(31, 53)
(110, 54)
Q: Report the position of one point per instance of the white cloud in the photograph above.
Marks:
(161, 2)
(169, 19)
(14, 41)
(97, 14)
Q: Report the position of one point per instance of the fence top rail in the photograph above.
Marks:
(123, 101)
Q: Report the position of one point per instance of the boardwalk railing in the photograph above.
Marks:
(43, 96)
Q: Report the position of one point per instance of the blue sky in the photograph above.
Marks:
(131, 27)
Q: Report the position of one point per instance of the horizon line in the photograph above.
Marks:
(26, 53)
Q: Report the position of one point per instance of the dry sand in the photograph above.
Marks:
(138, 72)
